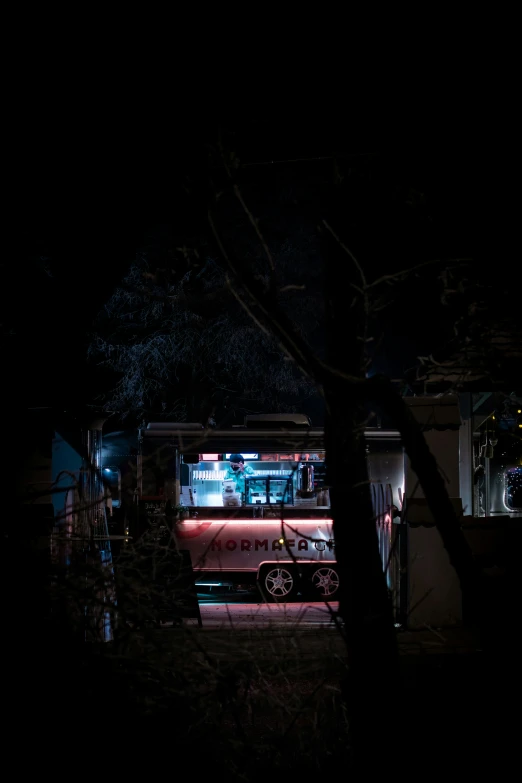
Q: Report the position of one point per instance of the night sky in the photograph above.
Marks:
(81, 212)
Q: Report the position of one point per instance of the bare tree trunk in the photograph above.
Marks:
(365, 606)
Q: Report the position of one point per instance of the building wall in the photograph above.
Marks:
(34, 476)
(66, 466)
(434, 594)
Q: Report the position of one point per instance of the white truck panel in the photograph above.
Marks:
(243, 545)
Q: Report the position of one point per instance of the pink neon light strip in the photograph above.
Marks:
(258, 521)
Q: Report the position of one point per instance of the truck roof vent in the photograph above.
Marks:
(285, 420)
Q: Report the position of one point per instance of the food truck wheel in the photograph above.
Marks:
(325, 582)
(277, 584)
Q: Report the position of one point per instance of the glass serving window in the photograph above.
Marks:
(202, 482)
(266, 490)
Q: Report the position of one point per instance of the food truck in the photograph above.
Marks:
(251, 502)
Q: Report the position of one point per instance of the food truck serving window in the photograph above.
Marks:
(224, 480)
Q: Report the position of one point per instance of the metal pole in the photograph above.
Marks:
(487, 493)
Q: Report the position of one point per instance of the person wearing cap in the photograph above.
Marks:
(237, 470)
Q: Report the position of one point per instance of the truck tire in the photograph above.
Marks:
(278, 584)
(325, 583)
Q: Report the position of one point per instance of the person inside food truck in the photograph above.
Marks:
(237, 470)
